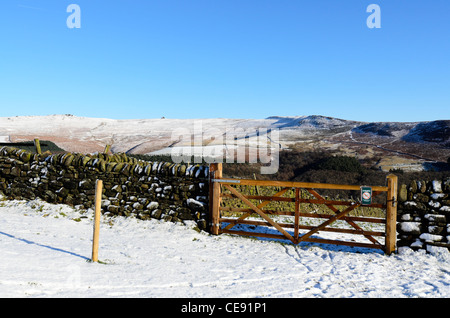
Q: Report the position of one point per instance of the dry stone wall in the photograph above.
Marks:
(160, 190)
(424, 215)
(177, 192)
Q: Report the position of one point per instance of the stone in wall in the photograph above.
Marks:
(424, 215)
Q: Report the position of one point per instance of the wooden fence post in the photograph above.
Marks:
(98, 200)
(296, 216)
(37, 145)
(391, 214)
(215, 172)
(107, 148)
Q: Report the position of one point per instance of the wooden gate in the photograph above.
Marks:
(225, 189)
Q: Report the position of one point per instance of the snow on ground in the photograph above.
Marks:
(45, 250)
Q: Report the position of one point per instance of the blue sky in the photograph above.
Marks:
(226, 58)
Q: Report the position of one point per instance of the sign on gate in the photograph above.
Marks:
(366, 195)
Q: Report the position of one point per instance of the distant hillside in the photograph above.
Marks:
(436, 131)
(385, 145)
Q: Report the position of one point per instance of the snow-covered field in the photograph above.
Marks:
(45, 250)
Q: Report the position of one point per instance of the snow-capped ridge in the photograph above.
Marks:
(85, 134)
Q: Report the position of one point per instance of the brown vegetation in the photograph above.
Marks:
(325, 167)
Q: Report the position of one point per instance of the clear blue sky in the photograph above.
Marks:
(226, 58)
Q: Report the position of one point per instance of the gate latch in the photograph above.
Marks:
(226, 180)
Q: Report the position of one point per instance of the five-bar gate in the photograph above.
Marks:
(222, 189)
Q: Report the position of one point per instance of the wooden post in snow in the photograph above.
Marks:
(215, 172)
(391, 214)
(98, 200)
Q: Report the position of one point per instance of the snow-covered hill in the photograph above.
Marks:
(80, 134)
(45, 250)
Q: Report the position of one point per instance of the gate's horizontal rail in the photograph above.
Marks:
(303, 227)
(309, 239)
(312, 201)
(309, 215)
(292, 184)
(244, 233)
(346, 243)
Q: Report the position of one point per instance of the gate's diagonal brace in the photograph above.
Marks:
(261, 213)
(260, 206)
(335, 210)
(330, 220)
